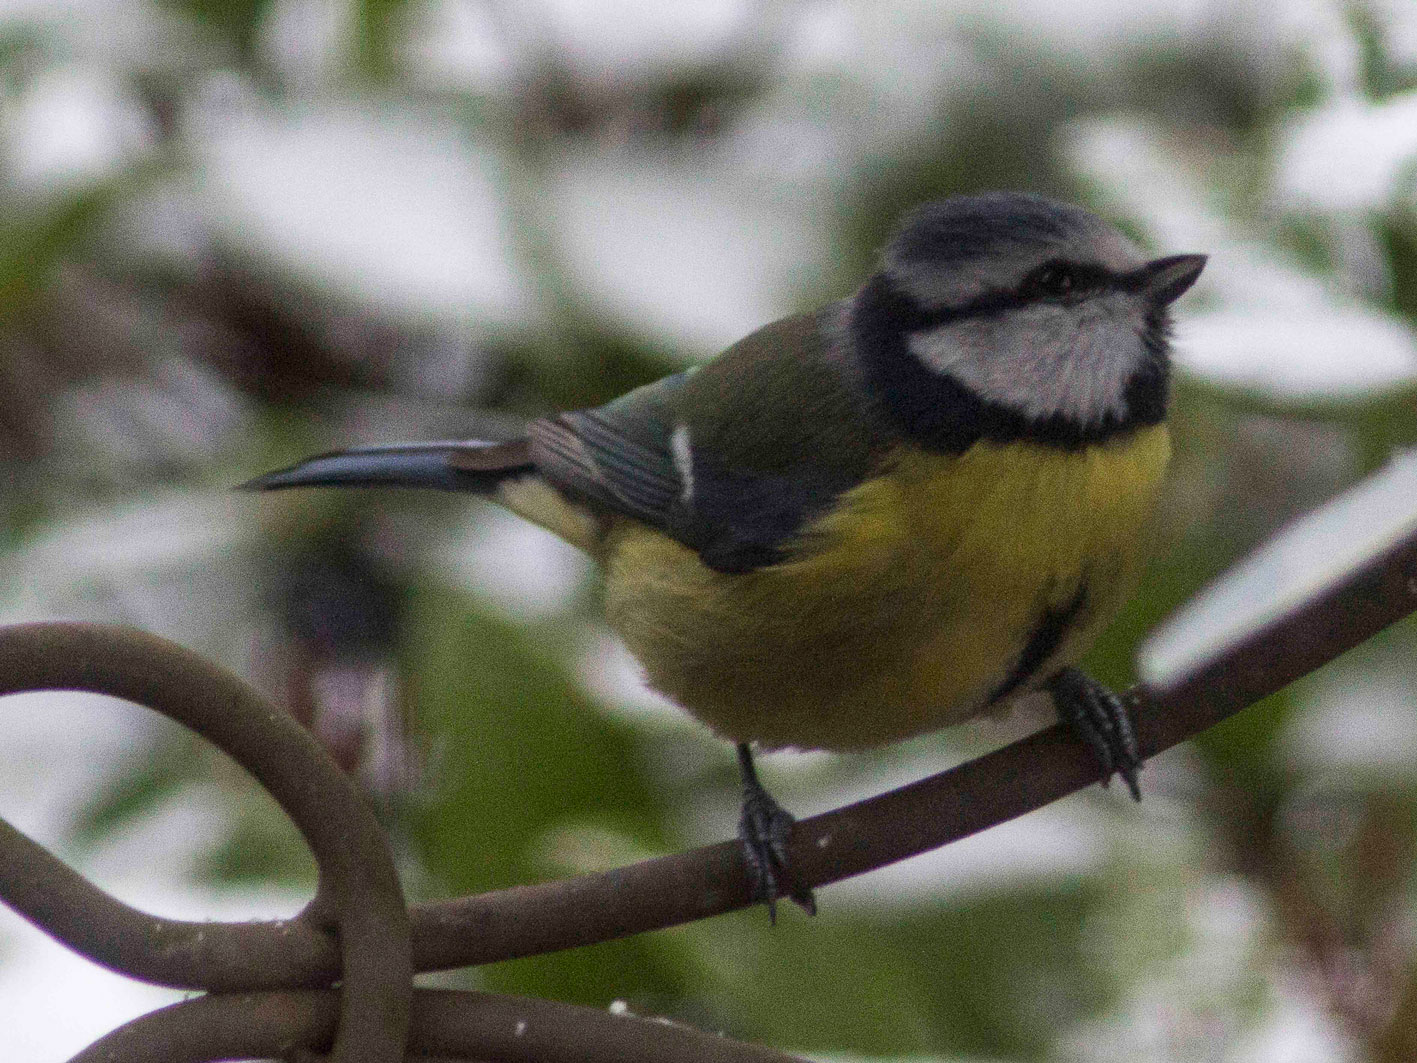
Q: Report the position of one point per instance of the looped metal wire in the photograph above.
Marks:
(358, 886)
(368, 1017)
(356, 930)
(447, 1025)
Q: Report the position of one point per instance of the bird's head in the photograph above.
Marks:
(1042, 314)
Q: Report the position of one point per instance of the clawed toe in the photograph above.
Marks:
(764, 829)
(1100, 718)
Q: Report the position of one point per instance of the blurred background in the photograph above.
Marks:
(237, 231)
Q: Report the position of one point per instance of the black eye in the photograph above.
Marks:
(1053, 279)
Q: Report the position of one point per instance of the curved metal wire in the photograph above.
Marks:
(356, 930)
(359, 892)
(446, 1023)
(358, 886)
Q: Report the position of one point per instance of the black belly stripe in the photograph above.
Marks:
(1043, 642)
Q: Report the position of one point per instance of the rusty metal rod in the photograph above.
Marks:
(358, 891)
(446, 1023)
(530, 920)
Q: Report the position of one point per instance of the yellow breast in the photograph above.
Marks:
(905, 607)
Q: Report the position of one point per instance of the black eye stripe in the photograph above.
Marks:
(1058, 278)
(1087, 278)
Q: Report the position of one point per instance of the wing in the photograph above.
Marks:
(731, 460)
(618, 456)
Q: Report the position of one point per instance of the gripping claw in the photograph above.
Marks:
(764, 828)
(1100, 718)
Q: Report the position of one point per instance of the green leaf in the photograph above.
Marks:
(519, 754)
(994, 976)
(238, 21)
(376, 30)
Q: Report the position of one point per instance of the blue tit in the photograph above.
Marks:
(886, 516)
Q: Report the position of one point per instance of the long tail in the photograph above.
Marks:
(451, 466)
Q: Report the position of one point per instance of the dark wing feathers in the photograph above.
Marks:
(619, 456)
(752, 480)
(770, 437)
(641, 472)
(743, 519)
(562, 458)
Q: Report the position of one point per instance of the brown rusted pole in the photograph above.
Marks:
(925, 815)
(446, 1023)
(529, 920)
(171, 952)
(358, 889)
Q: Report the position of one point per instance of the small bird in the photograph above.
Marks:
(877, 519)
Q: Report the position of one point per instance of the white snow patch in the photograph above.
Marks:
(687, 247)
(1315, 552)
(1256, 320)
(74, 126)
(526, 571)
(396, 207)
(1351, 154)
(1330, 354)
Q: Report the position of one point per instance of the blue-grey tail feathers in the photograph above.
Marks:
(451, 466)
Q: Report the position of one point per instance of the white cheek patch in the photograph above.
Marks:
(683, 452)
(1044, 359)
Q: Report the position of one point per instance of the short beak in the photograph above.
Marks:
(1164, 280)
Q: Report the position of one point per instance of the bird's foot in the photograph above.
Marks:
(1100, 718)
(764, 829)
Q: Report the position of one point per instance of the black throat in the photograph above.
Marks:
(937, 412)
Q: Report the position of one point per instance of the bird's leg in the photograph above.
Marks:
(763, 829)
(1100, 718)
